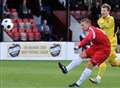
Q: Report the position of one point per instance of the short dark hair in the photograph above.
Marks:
(105, 5)
(86, 20)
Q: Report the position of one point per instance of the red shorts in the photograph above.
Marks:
(98, 56)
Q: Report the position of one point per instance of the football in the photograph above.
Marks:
(7, 24)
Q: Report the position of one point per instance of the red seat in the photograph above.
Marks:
(35, 30)
(25, 20)
(16, 36)
(19, 20)
(33, 25)
(15, 25)
(37, 36)
(28, 30)
(31, 21)
(30, 36)
(23, 36)
(21, 30)
(14, 30)
(14, 20)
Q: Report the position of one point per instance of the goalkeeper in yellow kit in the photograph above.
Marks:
(106, 22)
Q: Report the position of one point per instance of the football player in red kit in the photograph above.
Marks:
(98, 51)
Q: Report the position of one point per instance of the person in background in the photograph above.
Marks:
(13, 4)
(24, 10)
(45, 31)
(95, 13)
(107, 24)
(38, 19)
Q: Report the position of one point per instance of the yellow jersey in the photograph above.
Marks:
(107, 24)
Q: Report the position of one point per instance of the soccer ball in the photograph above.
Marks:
(7, 24)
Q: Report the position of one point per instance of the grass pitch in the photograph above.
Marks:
(46, 74)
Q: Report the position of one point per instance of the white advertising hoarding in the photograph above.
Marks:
(33, 51)
(38, 51)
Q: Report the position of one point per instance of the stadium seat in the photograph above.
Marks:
(19, 20)
(16, 36)
(31, 21)
(33, 25)
(27, 24)
(14, 20)
(23, 36)
(28, 30)
(21, 30)
(14, 30)
(37, 36)
(15, 25)
(30, 36)
(25, 20)
(35, 30)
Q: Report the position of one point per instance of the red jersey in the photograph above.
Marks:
(98, 38)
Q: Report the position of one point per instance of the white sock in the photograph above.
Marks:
(74, 63)
(85, 74)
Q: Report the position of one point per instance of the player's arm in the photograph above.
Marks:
(90, 36)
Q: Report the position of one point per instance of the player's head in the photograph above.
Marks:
(85, 23)
(105, 9)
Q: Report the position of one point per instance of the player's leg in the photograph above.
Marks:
(85, 74)
(102, 69)
(98, 58)
(118, 63)
(75, 62)
(87, 71)
(112, 59)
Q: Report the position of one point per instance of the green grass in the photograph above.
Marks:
(46, 74)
